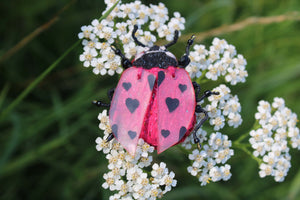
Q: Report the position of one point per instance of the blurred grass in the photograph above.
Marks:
(47, 141)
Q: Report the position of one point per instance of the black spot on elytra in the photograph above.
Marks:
(132, 104)
(161, 77)
(114, 129)
(126, 86)
(182, 132)
(151, 81)
(182, 87)
(172, 103)
(165, 133)
(132, 134)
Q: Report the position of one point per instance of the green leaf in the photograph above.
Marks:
(294, 192)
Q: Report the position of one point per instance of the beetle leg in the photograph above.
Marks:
(126, 63)
(185, 60)
(206, 94)
(199, 109)
(109, 137)
(197, 90)
(100, 103)
(110, 94)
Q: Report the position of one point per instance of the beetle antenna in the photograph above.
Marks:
(189, 44)
(184, 60)
(134, 38)
(174, 39)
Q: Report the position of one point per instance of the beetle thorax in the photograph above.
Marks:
(156, 56)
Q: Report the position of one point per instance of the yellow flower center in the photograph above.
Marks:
(86, 33)
(154, 192)
(110, 181)
(111, 55)
(88, 57)
(168, 180)
(114, 66)
(167, 32)
(218, 121)
(144, 181)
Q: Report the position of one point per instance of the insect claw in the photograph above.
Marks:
(191, 40)
(117, 51)
(97, 103)
(199, 146)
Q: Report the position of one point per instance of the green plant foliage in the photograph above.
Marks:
(47, 139)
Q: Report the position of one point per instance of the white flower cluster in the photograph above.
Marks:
(201, 134)
(224, 107)
(215, 152)
(277, 128)
(220, 60)
(98, 37)
(127, 174)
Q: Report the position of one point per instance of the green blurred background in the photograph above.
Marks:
(47, 143)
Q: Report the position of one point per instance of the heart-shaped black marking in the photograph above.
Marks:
(132, 134)
(126, 86)
(165, 133)
(132, 104)
(114, 129)
(182, 132)
(151, 81)
(182, 87)
(172, 103)
(161, 77)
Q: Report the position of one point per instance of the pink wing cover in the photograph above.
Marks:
(129, 106)
(176, 106)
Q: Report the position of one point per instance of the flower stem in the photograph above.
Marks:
(109, 11)
(288, 16)
(242, 137)
(246, 150)
(200, 79)
(184, 150)
(244, 146)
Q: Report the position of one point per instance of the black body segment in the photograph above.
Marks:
(158, 59)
